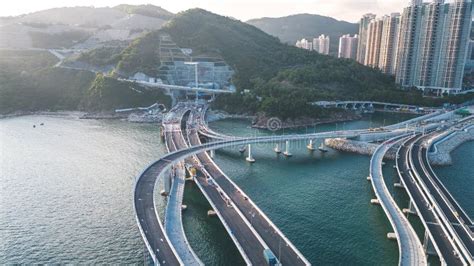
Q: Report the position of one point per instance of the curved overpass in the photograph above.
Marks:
(445, 208)
(156, 240)
(151, 228)
(445, 233)
(411, 251)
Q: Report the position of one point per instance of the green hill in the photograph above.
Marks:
(291, 28)
(29, 82)
(271, 77)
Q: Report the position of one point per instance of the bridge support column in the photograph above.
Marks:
(398, 185)
(375, 201)
(277, 148)
(167, 182)
(411, 209)
(212, 153)
(287, 152)
(249, 158)
(310, 145)
(322, 147)
(428, 245)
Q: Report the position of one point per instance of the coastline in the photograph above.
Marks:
(264, 122)
(132, 117)
(43, 113)
(446, 144)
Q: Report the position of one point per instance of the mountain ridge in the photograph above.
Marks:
(291, 28)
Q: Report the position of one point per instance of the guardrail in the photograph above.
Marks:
(262, 214)
(446, 226)
(414, 204)
(147, 244)
(181, 228)
(407, 256)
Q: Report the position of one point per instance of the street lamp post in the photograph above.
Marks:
(195, 77)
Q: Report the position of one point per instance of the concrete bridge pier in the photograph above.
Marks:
(168, 175)
(287, 152)
(398, 185)
(249, 158)
(428, 245)
(212, 153)
(277, 148)
(310, 145)
(411, 209)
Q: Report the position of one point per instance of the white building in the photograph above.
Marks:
(304, 44)
(389, 44)
(363, 28)
(433, 46)
(348, 46)
(374, 41)
(321, 44)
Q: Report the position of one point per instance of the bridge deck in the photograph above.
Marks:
(173, 218)
(150, 226)
(411, 250)
(423, 208)
(433, 189)
(247, 240)
(277, 242)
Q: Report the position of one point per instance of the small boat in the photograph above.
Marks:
(322, 148)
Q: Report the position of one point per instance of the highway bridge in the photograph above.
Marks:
(355, 105)
(159, 85)
(275, 240)
(448, 230)
(411, 251)
(247, 225)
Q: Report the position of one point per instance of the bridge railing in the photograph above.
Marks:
(414, 203)
(446, 226)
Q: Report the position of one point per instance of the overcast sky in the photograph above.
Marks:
(350, 10)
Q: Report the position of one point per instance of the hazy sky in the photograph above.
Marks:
(349, 10)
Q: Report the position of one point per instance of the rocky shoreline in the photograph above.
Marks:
(359, 147)
(442, 154)
(216, 115)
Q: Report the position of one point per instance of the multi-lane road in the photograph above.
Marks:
(447, 225)
(449, 233)
(283, 249)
